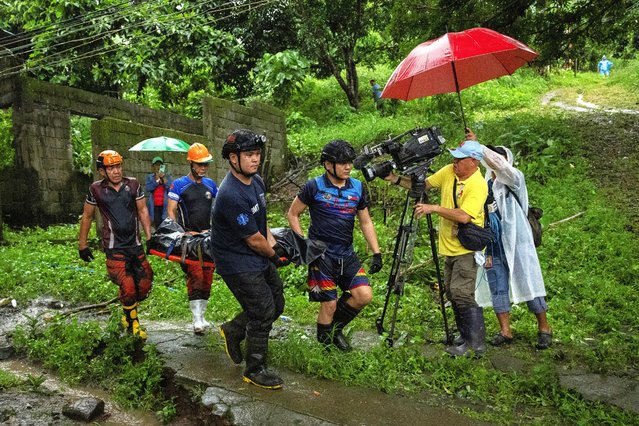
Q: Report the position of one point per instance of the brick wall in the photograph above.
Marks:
(120, 135)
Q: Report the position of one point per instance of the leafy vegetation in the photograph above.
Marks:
(592, 293)
(6, 139)
(315, 60)
(165, 50)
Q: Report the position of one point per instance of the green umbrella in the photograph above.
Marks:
(161, 143)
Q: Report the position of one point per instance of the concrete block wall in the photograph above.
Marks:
(43, 188)
(121, 135)
(221, 117)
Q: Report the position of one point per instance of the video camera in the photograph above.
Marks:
(411, 151)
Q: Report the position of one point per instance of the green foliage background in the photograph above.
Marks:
(590, 264)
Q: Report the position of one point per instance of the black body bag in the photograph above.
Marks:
(471, 236)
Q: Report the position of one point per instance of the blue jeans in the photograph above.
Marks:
(499, 289)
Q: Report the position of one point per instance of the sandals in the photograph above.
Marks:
(544, 340)
(500, 340)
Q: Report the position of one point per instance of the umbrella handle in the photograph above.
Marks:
(461, 106)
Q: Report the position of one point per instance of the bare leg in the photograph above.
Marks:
(542, 322)
(504, 324)
(360, 297)
(326, 312)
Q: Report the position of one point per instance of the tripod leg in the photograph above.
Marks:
(391, 286)
(440, 281)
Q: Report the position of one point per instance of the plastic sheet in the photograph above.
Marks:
(299, 250)
(171, 242)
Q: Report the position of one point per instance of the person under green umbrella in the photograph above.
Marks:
(157, 185)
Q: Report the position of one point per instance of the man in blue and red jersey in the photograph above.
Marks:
(334, 200)
(122, 207)
(190, 201)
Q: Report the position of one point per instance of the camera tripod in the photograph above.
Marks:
(403, 257)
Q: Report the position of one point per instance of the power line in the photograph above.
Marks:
(41, 29)
(87, 24)
(95, 38)
(19, 69)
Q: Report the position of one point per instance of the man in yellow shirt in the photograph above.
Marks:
(460, 269)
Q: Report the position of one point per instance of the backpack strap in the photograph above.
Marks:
(516, 197)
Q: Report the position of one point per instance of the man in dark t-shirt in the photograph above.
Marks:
(334, 199)
(120, 201)
(190, 200)
(246, 257)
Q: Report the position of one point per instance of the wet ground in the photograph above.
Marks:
(208, 387)
(213, 384)
(612, 149)
(303, 400)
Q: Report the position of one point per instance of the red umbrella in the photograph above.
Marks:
(456, 61)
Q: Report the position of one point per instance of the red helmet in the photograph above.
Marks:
(199, 154)
(108, 158)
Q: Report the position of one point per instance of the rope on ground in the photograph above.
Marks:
(566, 219)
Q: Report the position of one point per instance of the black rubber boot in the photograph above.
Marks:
(233, 332)
(459, 339)
(256, 371)
(325, 334)
(344, 314)
(474, 333)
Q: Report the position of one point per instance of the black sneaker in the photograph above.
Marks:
(231, 344)
(500, 340)
(263, 378)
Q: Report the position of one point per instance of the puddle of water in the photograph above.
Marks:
(117, 415)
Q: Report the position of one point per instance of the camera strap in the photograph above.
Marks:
(455, 202)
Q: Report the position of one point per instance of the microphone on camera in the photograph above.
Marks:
(362, 160)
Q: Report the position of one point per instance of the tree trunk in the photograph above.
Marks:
(350, 86)
(352, 78)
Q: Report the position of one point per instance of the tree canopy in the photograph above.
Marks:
(169, 50)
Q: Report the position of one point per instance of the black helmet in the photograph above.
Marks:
(338, 151)
(242, 140)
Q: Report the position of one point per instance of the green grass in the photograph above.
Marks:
(590, 264)
(9, 380)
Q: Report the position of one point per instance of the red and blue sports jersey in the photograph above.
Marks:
(333, 211)
(120, 224)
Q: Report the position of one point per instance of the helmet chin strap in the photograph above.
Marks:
(106, 176)
(239, 168)
(334, 172)
(194, 173)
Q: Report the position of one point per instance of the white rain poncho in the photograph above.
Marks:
(525, 281)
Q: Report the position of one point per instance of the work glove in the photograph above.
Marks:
(148, 247)
(376, 263)
(86, 255)
(280, 257)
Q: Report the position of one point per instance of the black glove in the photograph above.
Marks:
(376, 263)
(86, 255)
(280, 251)
(148, 247)
(280, 258)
